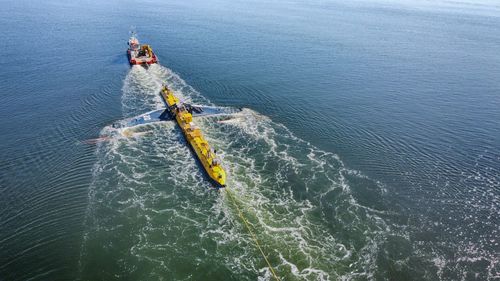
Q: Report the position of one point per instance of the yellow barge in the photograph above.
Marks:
(205, 154)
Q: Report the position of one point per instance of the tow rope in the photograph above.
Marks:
(254, 237)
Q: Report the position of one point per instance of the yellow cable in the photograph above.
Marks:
(257, 244)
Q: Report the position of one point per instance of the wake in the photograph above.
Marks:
(151, 207)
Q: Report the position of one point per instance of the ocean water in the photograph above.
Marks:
(368, 147)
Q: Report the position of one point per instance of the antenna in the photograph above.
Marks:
(132, 31)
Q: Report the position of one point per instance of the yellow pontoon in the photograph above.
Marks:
(205, 154)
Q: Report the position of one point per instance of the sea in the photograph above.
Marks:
(367, 147)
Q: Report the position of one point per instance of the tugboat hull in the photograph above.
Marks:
(140, 54)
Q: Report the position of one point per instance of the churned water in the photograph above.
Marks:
(368, 147)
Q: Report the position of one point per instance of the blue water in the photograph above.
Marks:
(368, 148)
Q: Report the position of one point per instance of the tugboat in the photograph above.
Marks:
(140, 54)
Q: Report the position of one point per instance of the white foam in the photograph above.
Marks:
(143, 178)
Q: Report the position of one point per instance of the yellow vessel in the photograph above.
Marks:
(205, 154)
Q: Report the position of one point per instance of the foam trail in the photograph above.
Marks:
(152, 213)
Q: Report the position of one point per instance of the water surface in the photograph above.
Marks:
(368, 147)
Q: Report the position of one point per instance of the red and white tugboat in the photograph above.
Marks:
(140, 54)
